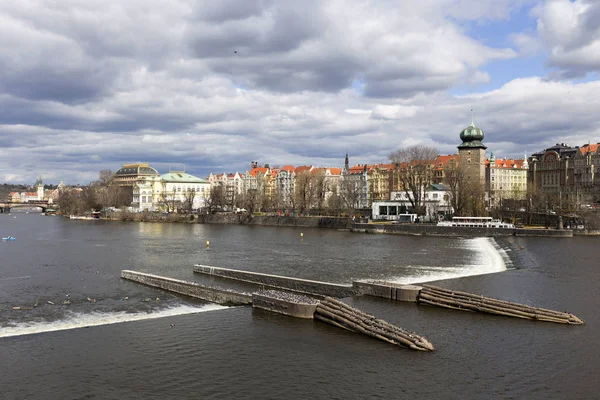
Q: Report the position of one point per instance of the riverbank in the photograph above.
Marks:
(346, 224)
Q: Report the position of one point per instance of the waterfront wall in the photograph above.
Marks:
(192, 289)
(280, 282)
(434, 230)
(274, 220)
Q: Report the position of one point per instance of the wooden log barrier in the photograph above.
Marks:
(337, 313)
(438, 296)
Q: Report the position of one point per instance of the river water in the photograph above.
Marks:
(121, 340)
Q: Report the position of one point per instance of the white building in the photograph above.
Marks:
(436, 199)
(178, 187)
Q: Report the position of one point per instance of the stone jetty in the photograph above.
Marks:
(338, 313)
(447, 298)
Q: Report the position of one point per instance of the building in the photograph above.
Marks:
(471, 153)
(566, 177)
(181, 191)
(130, 174)
(505, 179)
(435, 201)
(379, 182)
(26, 197)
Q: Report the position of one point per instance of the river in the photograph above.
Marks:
(120, 340)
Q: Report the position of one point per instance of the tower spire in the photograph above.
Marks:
(472, 117)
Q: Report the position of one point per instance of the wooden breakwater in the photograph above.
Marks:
(438, 296)
(343, 316)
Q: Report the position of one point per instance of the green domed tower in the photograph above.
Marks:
(471, 153)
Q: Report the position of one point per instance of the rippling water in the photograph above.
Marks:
(141, 342)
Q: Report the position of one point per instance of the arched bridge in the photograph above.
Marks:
(6, 206)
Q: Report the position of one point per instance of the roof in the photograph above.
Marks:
(136, 170)
(357, 169)
(335, 171)
(258, 170)
(303, 168)
(589, 148)
(180, 176)
(506, 163)
(288, 168)
(443, 161)
(438, 186)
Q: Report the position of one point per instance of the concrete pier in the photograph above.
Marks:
(280, 282)
(294, 305)
(208, 293)
(388, 290)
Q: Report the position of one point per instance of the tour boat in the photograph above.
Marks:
(476, 222)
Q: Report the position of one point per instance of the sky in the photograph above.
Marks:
(210, 86)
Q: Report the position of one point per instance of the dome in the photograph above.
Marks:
(471, 137)
(136, 170)
(471, 133)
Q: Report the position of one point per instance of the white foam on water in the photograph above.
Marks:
(81, 320)
(488, 258)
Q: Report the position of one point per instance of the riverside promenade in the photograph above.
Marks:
(378, 227)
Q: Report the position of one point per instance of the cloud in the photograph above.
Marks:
(570, 34)
(86, 86)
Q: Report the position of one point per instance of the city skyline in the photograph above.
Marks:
(214, 85)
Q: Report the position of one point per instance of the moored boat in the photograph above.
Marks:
(476, 222)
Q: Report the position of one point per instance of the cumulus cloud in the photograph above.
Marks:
(211, 85)
(570, 33)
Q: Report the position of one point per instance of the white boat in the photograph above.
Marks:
(476, 222)
(8, 238)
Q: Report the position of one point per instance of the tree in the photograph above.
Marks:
(303, 191)
(414, 171)
(351, 190)
(319, 185)
(251, 200)
(214, 199)
(334, 202)
(168, 201)
(188, 201)
(455, 180)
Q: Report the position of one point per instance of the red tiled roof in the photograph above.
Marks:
(288, 168)
(506, 163)
(258, 170)
(335, 171)
(303, 168)
(592, 148)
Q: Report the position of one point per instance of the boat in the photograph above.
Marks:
(476, 222)
(8, 238)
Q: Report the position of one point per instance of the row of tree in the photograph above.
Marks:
(312, 192)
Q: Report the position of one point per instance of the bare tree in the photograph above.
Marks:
(251, 200)
(303, 191)
(188, 201)
(334, 202)
(350, 193)
(455, 180)
(214, 200)
(319, 189)
(168, 201)
(414, 171)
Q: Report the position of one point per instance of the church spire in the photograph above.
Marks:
(346, 163)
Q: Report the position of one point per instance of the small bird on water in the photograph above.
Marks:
(172, 326)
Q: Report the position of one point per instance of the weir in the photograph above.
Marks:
(421, 294)
(329, 310)
(294, 301)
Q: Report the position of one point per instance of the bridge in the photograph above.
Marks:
(6, 206)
